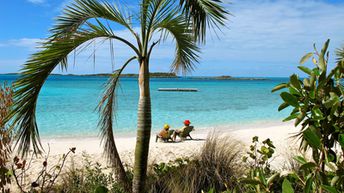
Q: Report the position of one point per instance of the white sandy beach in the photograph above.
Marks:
(164, 152)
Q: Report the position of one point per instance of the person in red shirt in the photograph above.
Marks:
(181, 130)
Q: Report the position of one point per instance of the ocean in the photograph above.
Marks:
(67, 104)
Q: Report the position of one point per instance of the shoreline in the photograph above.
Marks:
(226, 127)
(164, 152)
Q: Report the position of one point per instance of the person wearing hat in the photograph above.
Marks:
(164, 134)
(186, 129)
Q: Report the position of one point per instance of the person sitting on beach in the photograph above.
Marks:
(164, 134)
(184, 131)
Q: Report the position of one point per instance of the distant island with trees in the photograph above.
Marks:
(160, 75)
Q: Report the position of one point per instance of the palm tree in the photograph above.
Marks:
(82, 23)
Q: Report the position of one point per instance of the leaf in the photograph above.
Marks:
(290, 99)
(212, 190)
(9, 173)
(306, 57)
(322, 62)
(272, 178)
(324, 49)
(334, 108)
(294, 80)
(286, 187)
(262, 178)
(101, 189)
(308, 165)
(333, 99)
(294, 91)
(300, 118)
(334, 180)
(283, 106)
(332, 166)
(316, 71)
(312, 94)
(279, 87)
(250, 181)
(312, 138)
(306, 83)
(329, 189)
(291, 117)
(300, 159)
(331, 156)
(341, 140)
(312, 80)
(264, 150)
(308, 185)
(317, 114)
(305, 70)
(314, 61)
(292, 174)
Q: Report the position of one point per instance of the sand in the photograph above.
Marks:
(163, 152)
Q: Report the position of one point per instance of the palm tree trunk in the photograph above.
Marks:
(144, 125)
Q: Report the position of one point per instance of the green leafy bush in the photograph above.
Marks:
(259, 175)
(91, 177)
(318, 106)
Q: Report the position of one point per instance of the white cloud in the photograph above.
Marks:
(36, 1)
(30, 43)
(282, 24)
(264, 38)
(272, 35)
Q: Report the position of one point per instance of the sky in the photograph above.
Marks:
(262, 38)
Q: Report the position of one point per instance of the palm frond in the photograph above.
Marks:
(32, 78)
(80, 11)
(157, 11)
(203, 14)
(144, 11)
(186, 49)
(106, 109)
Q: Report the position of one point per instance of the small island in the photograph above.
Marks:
(159, 75)
(152, 75)
(226, 77)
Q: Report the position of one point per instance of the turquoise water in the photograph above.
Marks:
(67, 104)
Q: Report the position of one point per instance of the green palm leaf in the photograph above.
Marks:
(32, 78)
(76, 14)
(106, 109)
(186, 54)
(204, 14)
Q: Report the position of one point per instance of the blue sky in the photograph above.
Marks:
(263, 38)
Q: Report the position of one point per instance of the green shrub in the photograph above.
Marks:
(259, 176)
(89, 178)
(318, 105)
(217, 167)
